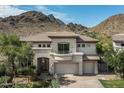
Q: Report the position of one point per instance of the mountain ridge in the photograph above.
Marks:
(110, 26)
(33, 22)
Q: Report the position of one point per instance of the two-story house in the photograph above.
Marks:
(118, 41)
(64, 53)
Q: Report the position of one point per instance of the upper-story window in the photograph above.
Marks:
(83, 45)
(78, 45)
(44, 45)
(122, 44)
(48, 45)
(63, 48)
(39, 45)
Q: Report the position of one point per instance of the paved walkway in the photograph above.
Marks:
(71, 81)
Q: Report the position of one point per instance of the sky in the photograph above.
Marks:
(87, 15)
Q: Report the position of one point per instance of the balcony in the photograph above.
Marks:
(65, 57)
(62, 56)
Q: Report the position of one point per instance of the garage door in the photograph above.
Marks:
(88, 67)
(66, 68)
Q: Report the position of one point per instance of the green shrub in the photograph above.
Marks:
(29, 85)
(41, 84)
(23, 71)
(3, 80)
(33, 67)
(2, 70)
(26, 70)
(54, 83)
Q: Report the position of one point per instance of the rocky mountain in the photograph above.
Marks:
(33, 22)
(76, 27)
(112, 25)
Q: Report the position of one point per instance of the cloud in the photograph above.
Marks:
(6, 11)
(60, 15)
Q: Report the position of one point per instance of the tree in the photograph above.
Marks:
(9, 46)
(116, 60)
(120, 64)
(91, 34)
(25, 54)
(14, 51)
(25, 57)
(104, 45)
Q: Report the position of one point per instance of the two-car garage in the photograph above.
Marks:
(88, 67)
(66, 68)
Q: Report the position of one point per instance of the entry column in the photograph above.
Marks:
(78, 57)
(96, 68)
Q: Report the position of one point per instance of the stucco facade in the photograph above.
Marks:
(89, 48)
(71, 62)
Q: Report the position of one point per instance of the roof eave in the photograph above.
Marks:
(118, 41)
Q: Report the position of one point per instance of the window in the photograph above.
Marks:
(83, 45)
(78, 45)
(63, 48)
(39, 45)
(44, 45)
(48, 45)
(122, 44)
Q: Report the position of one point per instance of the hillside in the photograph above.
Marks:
(33, 22)
(112, 25)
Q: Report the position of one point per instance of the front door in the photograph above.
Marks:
(43, 64)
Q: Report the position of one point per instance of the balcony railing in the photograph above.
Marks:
(64, 52)
(62, 56)
(65, 57)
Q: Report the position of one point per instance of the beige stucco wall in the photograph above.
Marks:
(71, 41)
(90, 48)
(76, 57)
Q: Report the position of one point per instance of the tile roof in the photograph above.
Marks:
(83, 38)
(62, 34)
(91, 57)
(36, 38)
(47, 36)
(118, 38)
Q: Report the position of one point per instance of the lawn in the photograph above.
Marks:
(112, 83)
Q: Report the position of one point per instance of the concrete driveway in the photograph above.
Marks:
(72, 81)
